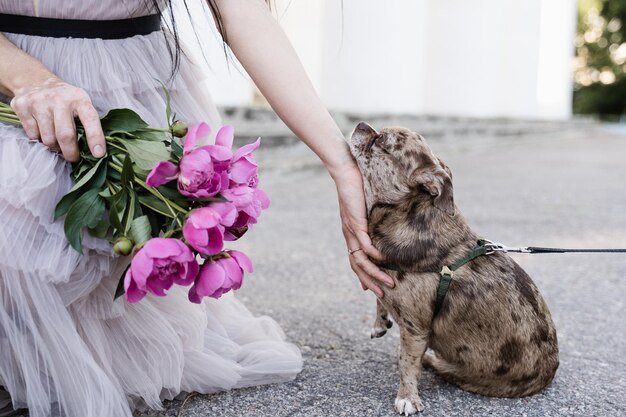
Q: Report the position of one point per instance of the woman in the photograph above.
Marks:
(66, 348)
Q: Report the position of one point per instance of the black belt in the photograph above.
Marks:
(74, 28)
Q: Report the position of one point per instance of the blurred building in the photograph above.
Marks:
(476, 58)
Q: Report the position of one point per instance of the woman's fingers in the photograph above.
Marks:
(88, 116)
(28, 121)
(370, 276)
(367, 283)
(371, 269)
(365, 243)
(45, 123)
(47, 111)
(65, 132)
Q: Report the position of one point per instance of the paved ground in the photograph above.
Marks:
(561, 189)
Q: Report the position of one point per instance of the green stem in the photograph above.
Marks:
(156, 129)
(152, 191)
(171, 232)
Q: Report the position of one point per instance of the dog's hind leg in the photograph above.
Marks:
(382, 322)
(432, 361)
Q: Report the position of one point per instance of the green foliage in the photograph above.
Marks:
(600, 66)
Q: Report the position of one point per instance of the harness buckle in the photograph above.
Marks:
(446, 271)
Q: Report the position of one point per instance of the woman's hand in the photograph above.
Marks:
(349, 184)
(47, 110)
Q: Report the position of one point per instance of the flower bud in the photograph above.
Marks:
(179, 129)
(123, 246)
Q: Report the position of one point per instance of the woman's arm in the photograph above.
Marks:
(46, 105)
(261, 46)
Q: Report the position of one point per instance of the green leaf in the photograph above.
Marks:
(117, 207)
(87, 210)
(151, 135)
(129, 214)
(101, 229)
(91, 174)
(127, 171)
(177, 150)
(119, 291)
(170, 192)
(155, 204)
(140, 230)
(156, 221)
(114, 219)
(93, 179)
(145, 154)
(122, 120)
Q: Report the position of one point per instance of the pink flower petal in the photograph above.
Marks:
(246, 149)
(261, 196)
(163, 172)
(197, 238)
(239, 196)
(193, 295)
(225, 136)
(216, 241)
(210, 279)
(243, 170)
(234, 273)
(204, 217)
(195, 132)
(132, 293)
(192, 273)
(162, 247)
(157, 285)
(219, 153)
(242, 259)
(141, 268)
(226, 211)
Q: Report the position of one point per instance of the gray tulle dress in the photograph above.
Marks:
(66, 349)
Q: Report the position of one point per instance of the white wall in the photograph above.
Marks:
(482, 58)
(375, 62)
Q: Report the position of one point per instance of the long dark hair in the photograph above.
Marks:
(166, 10)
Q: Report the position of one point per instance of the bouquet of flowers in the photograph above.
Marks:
(167, 201)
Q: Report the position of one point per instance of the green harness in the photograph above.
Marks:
(483, 247)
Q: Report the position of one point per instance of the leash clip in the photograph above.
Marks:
(493, 247)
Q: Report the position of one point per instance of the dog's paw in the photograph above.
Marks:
(380, 331)
(407, 407)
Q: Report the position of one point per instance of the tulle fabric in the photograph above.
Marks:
(66, 349)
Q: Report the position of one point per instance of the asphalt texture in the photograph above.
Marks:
(564, 189)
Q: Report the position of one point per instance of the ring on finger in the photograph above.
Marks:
(351, 251)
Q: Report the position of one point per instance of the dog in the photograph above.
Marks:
(493, 334)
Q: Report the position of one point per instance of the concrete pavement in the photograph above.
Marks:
(562, 188)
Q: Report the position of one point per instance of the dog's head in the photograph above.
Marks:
(397, 165)
(408, 192)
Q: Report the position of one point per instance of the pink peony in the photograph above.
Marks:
(159, 264)
(249, 203)
(243, 168)
(203, 171)
(204, 228)
(220, 276)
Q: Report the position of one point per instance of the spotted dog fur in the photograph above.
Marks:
(494, 334)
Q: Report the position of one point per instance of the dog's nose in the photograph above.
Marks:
(364, 127)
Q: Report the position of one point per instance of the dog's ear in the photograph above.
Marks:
(438, 183)
(445, 167)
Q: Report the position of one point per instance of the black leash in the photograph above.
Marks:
(486, 247)
(498, 247)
